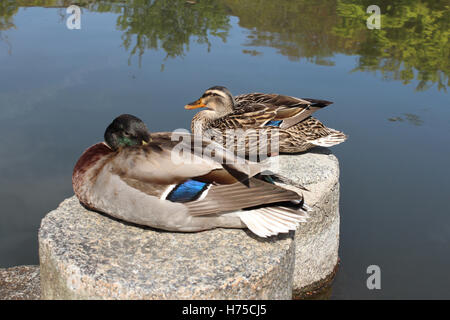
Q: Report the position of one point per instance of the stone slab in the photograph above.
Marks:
(316, 242)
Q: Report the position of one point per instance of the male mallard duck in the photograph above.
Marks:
(291, 117)
(133, 176)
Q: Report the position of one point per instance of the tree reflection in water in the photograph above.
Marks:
(412, 43)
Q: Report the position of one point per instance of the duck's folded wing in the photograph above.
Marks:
(209, 150)
(256, 143)
(233, 197)
(158, 163)
(261, 207)
(278, 100)
(289, 110)
(250, 116)
(259, 115)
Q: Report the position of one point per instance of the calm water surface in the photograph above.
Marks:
(60, 88)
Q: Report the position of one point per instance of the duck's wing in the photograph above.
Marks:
(288, 110)
(190, 147)
(255, 144)
(167, 165)
(246, 117)
(218, 169)
(278, 100)
(221, 198)
(213, 191)
(266, 209)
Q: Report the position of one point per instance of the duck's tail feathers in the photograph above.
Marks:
(333, 138)
(270, 221)
(318, 103)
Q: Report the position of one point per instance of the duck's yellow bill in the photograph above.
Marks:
(194, 105)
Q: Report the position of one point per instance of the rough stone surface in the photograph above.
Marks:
(20, 283)
(316, 242)
(87, 255)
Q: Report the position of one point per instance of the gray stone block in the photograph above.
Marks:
(86, 255)
(316, 242)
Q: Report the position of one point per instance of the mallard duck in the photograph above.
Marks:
(133, 176)
(288, 118)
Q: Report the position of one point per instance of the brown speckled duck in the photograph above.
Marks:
(133, 176)
(288, 117)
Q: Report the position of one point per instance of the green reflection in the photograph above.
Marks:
(171, 25)
(7, 10)
(412, 44)
(414, 35)
(292, 27)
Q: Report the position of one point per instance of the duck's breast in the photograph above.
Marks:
(87, 169)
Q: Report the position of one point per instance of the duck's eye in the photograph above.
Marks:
(126, 134)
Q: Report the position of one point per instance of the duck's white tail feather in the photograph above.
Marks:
(287, 214)
(333, 138)
(270, 221)
(280, 224)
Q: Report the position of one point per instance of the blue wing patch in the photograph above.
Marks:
(274, 123)
(187, 191)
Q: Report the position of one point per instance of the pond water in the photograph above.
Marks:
(60, 88)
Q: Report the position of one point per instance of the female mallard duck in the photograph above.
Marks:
(291, 118)
(133, 176)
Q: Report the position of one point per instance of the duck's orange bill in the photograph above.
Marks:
(196, 104)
